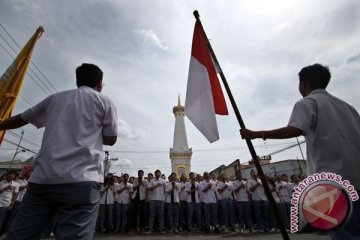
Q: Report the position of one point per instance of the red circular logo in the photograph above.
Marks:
(325, 206)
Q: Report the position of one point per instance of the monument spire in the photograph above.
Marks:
(180, 153)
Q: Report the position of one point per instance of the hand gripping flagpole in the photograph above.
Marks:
(248, 141)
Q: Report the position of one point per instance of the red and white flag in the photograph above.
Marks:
(204, 96)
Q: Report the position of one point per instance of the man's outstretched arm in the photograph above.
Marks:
(280, 133)
(12, 123)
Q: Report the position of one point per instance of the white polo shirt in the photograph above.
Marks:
(188, 189)
(141, 189)
(6, 195)
(176, 192)
(124, 196)
(258, 194)
(332, 132)
(75, 122)
(242, 194)
(21, 183)
(226, 194)
(183, 193)
(159, 192)
(107, 197)
(210, 195)
(284, 192)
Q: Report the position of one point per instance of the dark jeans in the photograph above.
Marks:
(261, 209)
(194, 209)
(173, 210)
(244, 216)
(76, 206)
(138, 217)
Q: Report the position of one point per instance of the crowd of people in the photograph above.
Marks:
(195, 203)
(201, 203)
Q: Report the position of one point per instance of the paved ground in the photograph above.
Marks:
(200, 236)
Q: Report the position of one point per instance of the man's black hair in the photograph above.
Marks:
(317, 75)
(88, 75)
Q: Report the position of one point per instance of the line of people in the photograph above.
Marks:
(201, 203)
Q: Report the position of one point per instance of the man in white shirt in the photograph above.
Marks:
(8, 193)
(193, 200)
(260, 202)
(173, 199)
(183, 210)
(157, 189)
(23, 184)
(226, 202)
(122, 194)
(69, 167)
(138, 197)
(208, 188)
(241, 191)
(284, 193)
(331, 128)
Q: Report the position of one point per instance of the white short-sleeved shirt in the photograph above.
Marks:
(168, 189)
(183, 193)
(227, 193)
(6, 195)
(21, 183)
(124, 196)
(75, 122)
(208, 196)
(107, 197)
(258, 194)
(284, 192)
(188, 189)
(332, 132)
(159, 192)
(141, 189)
(242, 194)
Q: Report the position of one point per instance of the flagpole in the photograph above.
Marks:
(248, 141)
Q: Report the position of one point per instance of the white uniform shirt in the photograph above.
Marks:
(283, 190)
(183, 193)
(226, 194)
(332, 132)
(176, 192)
(107, 197)
(208, 196)
(21, 183)
(124, 196)
(274, 192)
(72, 145)
(197, 192)
(258, 194)
(141, 189)
(6, 195)
(242, 194)
(159, 192)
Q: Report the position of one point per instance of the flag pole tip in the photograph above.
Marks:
(196, 14)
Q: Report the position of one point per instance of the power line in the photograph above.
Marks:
(36, 67)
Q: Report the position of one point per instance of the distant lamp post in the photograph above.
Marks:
(107, 163)
(17, 149)
(273, 167)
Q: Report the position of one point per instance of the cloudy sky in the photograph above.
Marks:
(143, 47)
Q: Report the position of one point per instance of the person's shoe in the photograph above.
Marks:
(148, 232)
(253, 230)
(162, 232)
(272, 230)
(175, 231)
